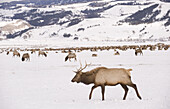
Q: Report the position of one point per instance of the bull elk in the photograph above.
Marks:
(102, 76)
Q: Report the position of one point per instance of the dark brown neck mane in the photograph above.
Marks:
(89, 76)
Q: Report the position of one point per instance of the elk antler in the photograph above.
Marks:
(84, 66)
(80, 65)
(80, 69)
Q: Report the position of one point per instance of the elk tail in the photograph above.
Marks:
(66, 58)
(128, 71)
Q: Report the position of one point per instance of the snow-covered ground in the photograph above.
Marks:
(45, 82)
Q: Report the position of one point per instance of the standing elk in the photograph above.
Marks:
(138, 51)
(25, 56)
(71, 55)
(42, 53)
(16, 53)
(102, 76)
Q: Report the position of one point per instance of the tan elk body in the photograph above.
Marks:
(112, 76)
(103, 76)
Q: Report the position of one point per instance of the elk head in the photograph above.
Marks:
(77, 77)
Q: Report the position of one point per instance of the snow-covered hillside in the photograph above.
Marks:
(10, 28)
(107, 20)
(8, 1)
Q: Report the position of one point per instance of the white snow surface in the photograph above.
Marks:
(45, 82)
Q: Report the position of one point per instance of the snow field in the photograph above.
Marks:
(45, 82)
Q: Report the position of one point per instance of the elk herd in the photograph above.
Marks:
(138, 50)
(25, 56)
(100, 76)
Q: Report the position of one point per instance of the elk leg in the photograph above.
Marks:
(103, 90)
(92, 91)
(126, 90)
(135, 87)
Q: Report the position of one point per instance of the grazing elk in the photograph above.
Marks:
(16, 53)
(1, 50)
(166, 47)
(33, 51)
(160, 46)
(25, 56)
(102, 76)
(7, 53)
(94, 55)
(117, 53)
(94, 49)
(42, 53)
(152, 47)
(138, 51)
(71, 55)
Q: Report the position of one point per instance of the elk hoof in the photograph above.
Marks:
(140, 98)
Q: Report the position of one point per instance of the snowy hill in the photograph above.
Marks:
(12, 28)
(106, 20)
